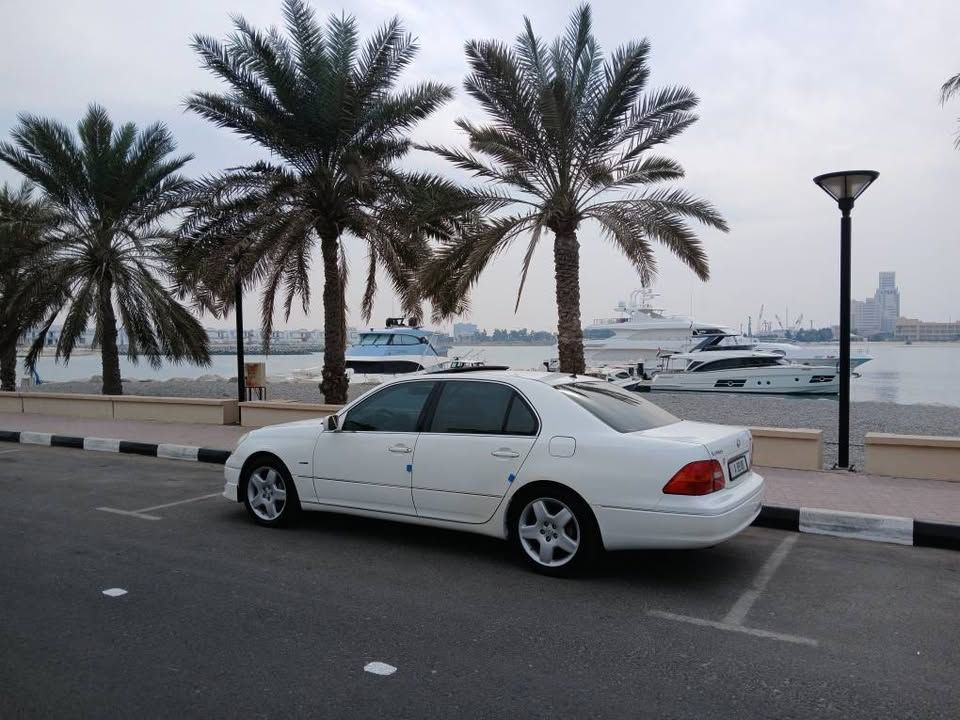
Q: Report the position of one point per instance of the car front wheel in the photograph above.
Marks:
(269, 493)
(556, 533)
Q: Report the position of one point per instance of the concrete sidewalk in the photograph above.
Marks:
(930, 500)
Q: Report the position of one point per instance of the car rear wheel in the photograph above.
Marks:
(555, 532)
(269, 493)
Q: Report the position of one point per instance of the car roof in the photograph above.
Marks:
(548, 378)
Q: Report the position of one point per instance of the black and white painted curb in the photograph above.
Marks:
(859, 526)
(161, 450)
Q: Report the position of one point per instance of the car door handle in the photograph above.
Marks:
(505, 453)
(400, 449)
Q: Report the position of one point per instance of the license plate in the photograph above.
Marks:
(737, 467)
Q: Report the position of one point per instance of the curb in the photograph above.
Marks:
(129, 447)
(816, 521)
(861, 526)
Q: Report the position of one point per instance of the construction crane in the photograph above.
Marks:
(799, 323)
(779, 322)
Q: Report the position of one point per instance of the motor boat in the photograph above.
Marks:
(744, 371)
(819, 355)
(398, 348)
(642, 333)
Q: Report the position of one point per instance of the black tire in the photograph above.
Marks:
(273, 476)
(550, 534)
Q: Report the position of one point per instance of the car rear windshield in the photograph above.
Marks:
(621, 410)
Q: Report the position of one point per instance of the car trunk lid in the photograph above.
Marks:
(724, 443)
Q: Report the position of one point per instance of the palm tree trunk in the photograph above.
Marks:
(8, 367)
(334, 384)
(110, 355)
(566, 262)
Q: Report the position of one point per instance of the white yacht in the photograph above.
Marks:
(382, 354)
(744, 371)
(799, 354)
(642, 333)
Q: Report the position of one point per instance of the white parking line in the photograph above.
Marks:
(733, 620)
(142, 512)
(178, 502)
(114, 592)
(741, 607)
(131, 513)
(735, 628)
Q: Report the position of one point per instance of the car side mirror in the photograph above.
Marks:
(333, 423)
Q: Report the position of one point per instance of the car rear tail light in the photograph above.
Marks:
(697, 478)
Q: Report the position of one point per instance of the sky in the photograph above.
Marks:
(788, 91)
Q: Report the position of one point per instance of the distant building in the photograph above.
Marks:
(84, 339)
(888, 297)
(877, 315)
(464, 330)
(920, 331)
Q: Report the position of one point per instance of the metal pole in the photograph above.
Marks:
(843, 451)
(238, 309)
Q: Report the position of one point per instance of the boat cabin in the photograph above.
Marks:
(730, 360)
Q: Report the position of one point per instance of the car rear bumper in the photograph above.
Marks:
(624, 529)
(231, 486)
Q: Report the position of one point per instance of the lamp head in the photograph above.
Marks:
(847, 185)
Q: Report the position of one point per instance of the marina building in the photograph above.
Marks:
(920, 331)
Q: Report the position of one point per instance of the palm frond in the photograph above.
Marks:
(950, 88)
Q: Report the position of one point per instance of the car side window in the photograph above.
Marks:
(481, 408)
(520, 418)
(393, 409)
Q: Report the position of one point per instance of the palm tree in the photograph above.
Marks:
(950, 88)
(569, 140)
(113, 188)
(335, 127)
(25, 221)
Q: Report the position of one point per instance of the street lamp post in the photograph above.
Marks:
(238, 308)
(845, 187)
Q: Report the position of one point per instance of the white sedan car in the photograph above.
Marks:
(561, 466)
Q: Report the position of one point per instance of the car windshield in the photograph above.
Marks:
(621, 410)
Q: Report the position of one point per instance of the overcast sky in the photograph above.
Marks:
(788, 91)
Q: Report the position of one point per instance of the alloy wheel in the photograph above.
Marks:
(266, 493)
(549, 532)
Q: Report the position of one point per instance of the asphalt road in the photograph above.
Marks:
(222, 618)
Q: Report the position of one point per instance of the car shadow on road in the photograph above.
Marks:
(680, 569)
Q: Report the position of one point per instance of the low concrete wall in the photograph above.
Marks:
(913, 456)
(10, 402)
(123, 407)
(189, 410)
(69, 404)
(794, 448)
(266, 412)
